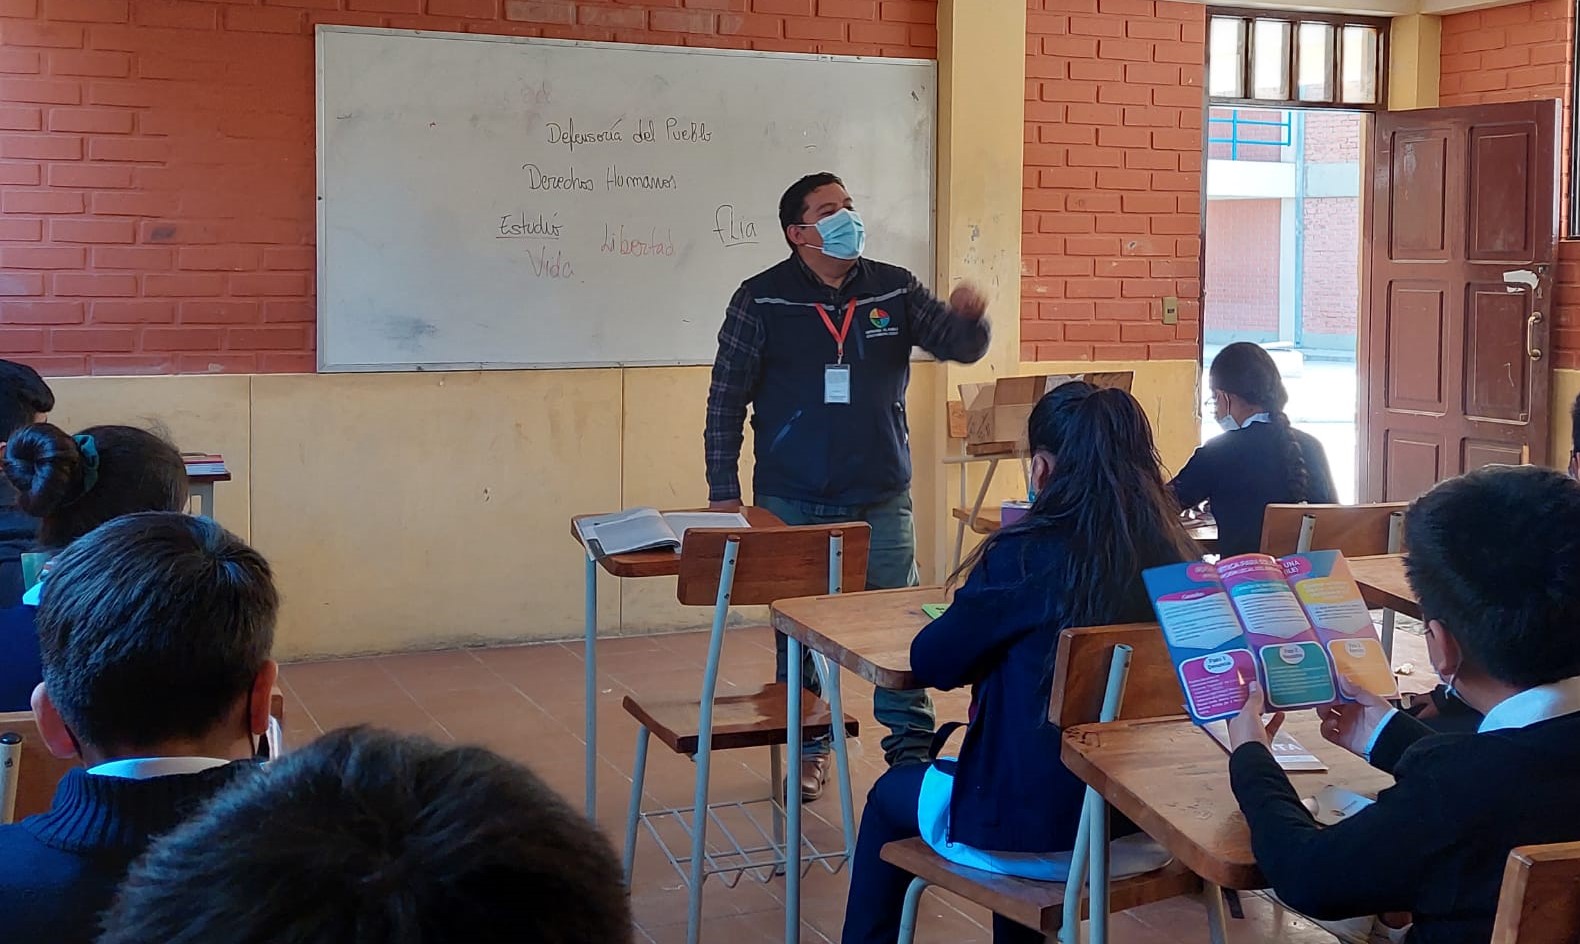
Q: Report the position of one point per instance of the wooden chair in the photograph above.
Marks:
(1540, 900)
(971, 513)
(748, 568)
(29, 773)
(1352, 530)
(1101, 673)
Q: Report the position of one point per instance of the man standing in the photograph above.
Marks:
(820, 346)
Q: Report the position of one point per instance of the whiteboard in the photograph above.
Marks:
(501, 202)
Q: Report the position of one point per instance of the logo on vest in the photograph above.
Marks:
(880, 325)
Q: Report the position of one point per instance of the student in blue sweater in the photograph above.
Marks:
(367, 837)
(156, 631)
(1101, 516)
(71, 485)
(24, 398)
(1259, 460)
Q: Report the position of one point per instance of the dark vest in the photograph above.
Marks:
(832, 453)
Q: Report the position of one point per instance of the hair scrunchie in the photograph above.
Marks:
(90, 461)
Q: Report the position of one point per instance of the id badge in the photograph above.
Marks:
(836, 383)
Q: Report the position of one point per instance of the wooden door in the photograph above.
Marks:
(1463, 229)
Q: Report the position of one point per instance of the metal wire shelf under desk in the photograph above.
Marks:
(728, 856)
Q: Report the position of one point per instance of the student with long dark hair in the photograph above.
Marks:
(24, 398)
(1101, 516)
(71, 485)
(1260, 460)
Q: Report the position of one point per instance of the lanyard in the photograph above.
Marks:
(844, 329)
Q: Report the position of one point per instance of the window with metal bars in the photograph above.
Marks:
(1296, 60)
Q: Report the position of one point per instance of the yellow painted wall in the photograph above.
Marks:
(419, 510)
(1566, 386)
(1415, 49)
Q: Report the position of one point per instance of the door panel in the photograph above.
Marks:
(1415, 350)
(1477, 454)
(1419, 227)
(1413, 462)
(1497, 382)
(1502, 218)
(1463, 224)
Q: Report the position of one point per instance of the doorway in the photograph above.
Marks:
(1282, 260)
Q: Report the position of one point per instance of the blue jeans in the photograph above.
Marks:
(877, 889)
(891, 564)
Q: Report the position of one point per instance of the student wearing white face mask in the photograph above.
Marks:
(820, 348)
(1260, 459)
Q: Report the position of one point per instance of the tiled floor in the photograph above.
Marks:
(526, 703)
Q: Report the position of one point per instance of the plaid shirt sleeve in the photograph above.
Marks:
(735, 373)
(942, 333)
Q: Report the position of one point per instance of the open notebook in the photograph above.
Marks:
(647, 529)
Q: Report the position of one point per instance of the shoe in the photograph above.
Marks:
(814, 773)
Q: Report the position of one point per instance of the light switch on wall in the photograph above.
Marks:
(1171, 310)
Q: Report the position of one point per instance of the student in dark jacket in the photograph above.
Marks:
(156, 632)
(1259, 460)
(1102, 515)
(24, 398)
(1495, 561)
(71, 485)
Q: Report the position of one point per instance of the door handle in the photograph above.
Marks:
(1530, 335)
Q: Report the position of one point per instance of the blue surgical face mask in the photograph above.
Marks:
(844, 235)
(1229, 424)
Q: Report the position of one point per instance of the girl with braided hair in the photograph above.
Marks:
(1261, 460)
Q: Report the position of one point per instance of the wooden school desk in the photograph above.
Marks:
(1384, 585)
(988, 519)
(639, 564)
(202, 472)
(1172, 779)
(868, 633)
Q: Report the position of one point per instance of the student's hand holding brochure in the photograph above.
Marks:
(1298, 625)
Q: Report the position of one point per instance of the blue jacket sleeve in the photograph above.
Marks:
(998, 604)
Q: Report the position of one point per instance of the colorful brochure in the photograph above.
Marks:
(1295, 624)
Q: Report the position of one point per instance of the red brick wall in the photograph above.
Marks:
(1242, 267)
(157, 172)
(1332, 137)
(1331, 283)
(1330, 300)
(1112, 179)
(1518, 53)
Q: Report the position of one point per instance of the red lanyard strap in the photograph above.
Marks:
(844, 329)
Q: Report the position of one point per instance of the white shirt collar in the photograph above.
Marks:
(1257, 418)
(1542, 703)
(147, 768)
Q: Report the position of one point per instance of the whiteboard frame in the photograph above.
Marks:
(321, 134)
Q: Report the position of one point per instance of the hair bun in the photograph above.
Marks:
(45, 465)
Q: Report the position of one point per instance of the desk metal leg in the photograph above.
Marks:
(829, 675)
(590, 658)
(793, 796)
(1097, 895)
(1217, 913)
(202, 495)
